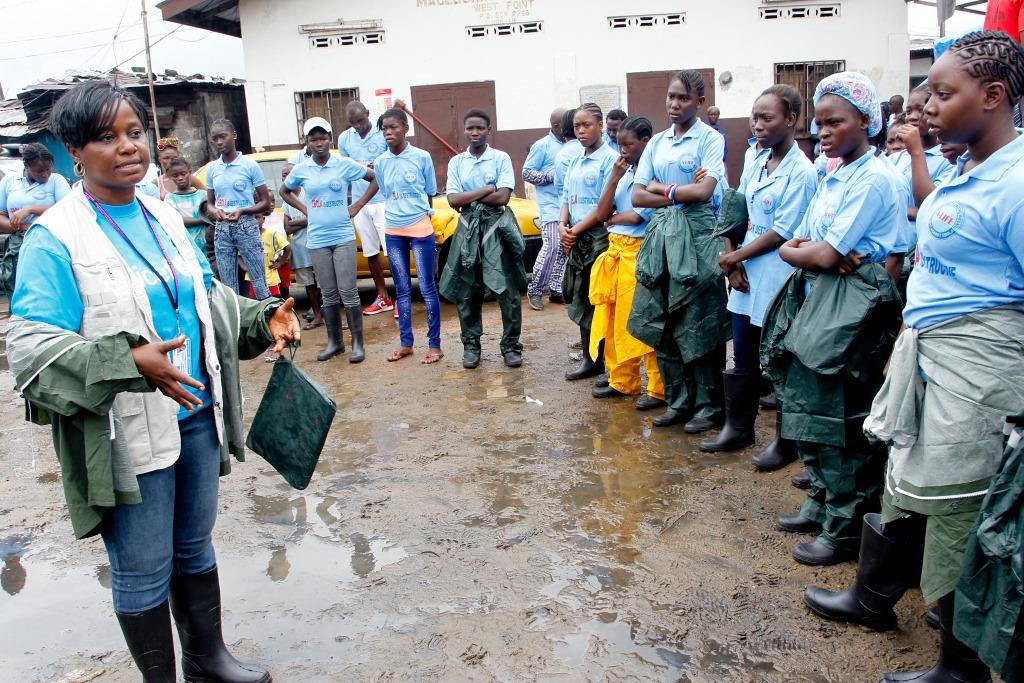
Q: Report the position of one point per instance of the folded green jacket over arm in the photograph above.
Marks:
(70, 383)
(680, 289)
(825, 351)
(487, 240)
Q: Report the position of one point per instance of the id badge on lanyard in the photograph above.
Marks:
(181, 357)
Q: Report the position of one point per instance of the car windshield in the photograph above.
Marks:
(272, 172)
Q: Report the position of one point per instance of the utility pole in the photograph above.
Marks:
(149, 72)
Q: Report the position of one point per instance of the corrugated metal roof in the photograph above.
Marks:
(136, 78)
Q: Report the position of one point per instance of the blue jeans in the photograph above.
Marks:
(425, 252)
(242, 238)
(746, 345)
(170, 530)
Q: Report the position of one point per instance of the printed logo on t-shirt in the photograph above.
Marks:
(239, 185)
(828, 216)
(410, 177)
(768, 203)
(335, 185)
(491, 180)
(688, 163)
(590, 179)
(375, 147)
(946, 220)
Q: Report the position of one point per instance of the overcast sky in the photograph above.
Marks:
(45, 38)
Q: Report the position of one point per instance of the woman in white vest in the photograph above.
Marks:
(119, 334)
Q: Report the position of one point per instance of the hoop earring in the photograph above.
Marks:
(79, 169)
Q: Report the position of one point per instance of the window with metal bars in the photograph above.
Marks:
(330, 104)
(772, 13)
(346, 39)
(647, 20)
(491, 30)
(805, 76)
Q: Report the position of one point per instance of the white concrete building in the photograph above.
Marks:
(520, 58)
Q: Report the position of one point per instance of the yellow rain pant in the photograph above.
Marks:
(612, 284)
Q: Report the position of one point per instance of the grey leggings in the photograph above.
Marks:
(335, 269)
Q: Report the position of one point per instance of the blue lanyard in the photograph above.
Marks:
(163, 252)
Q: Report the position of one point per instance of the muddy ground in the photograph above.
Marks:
(482, 525)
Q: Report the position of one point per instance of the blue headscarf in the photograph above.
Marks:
(858, 90)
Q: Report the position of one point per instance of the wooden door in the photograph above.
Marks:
(442, 107)
(645, 94)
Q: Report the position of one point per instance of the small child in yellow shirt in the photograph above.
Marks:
(276, 252)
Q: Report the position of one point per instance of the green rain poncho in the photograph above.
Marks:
(990, 595)
(576, 278)
(680, 294)
(486, 251)
(825, 351)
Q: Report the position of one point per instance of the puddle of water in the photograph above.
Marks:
(606, 642)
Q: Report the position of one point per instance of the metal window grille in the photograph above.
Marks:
(330, 104)
(346, 39)
(800, 12)
(647, 20)
(492, 30)
(805, 76)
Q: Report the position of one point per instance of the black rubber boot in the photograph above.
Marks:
(890, 563)
(801, 480)
(355, 326)
(740, 413)
(669, 417)
(778, 454)
(148, 635)
(588, 368)
(335, 342)
(195, 603)
(957, 662)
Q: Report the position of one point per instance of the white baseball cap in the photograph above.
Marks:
(316, 122)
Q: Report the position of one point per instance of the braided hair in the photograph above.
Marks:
(992, 57)
(592, 109)
(691, 80)
(640, 126)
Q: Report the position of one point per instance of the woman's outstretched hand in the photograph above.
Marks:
(153, 364)
(284, 326)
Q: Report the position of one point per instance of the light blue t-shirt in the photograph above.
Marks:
(669, 159)
(234, 184)
(970, 247)
(467, 172)
(570, 150)
(326, 187)
(774, 202)
(585, 180)
(860, 207)
(624, 204)
(611, 142)
(541, 159)
(297, 240)
(46, 290)
(363, 150)
(939, 170)
(407, 182)
(17, 192)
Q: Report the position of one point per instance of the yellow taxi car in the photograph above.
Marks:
(445, 218)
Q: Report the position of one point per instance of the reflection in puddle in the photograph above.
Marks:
(345, 563)
(13, 574)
